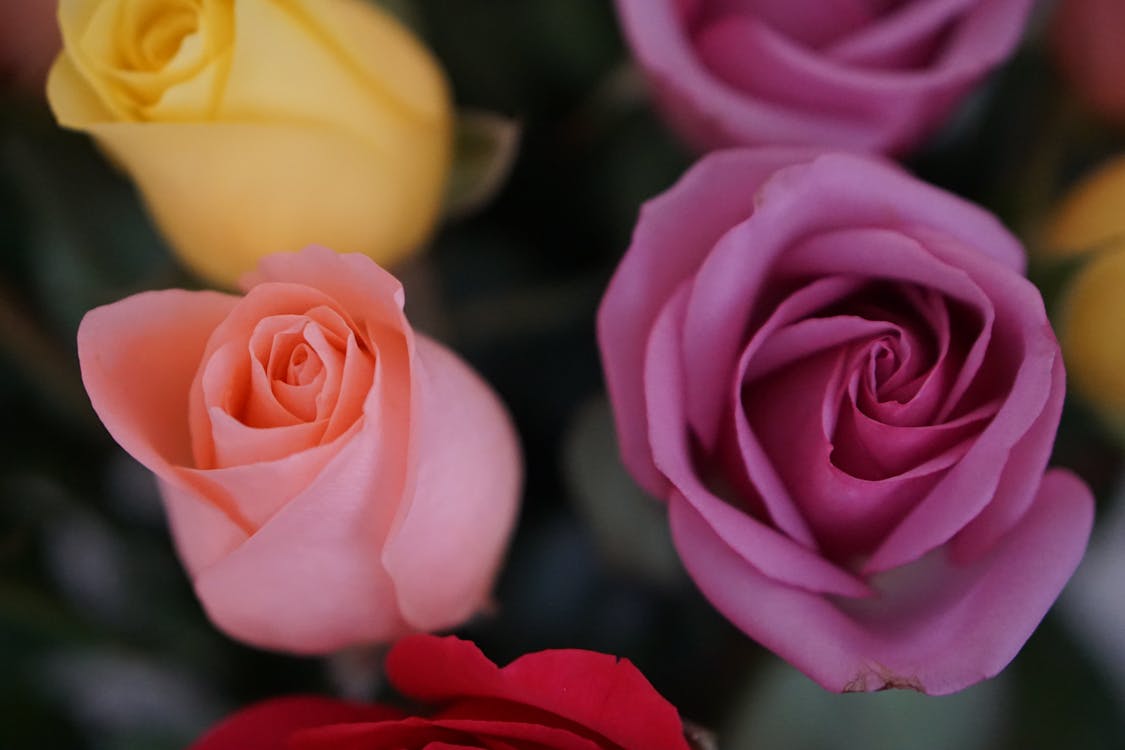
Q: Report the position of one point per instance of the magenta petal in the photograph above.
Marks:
(849, 191)
(758, 544)
(667, 249)
(903, 39)
(980, 616)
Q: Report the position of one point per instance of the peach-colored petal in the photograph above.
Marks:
(450, 532)
(138, 359)
(310, 580)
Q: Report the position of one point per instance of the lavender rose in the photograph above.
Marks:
(871, 75)
(847, 392)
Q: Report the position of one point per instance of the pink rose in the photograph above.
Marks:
(1088, 41)
(846, 391)
(331, 477)
(872, 75)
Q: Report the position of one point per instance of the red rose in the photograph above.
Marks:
(564, 700)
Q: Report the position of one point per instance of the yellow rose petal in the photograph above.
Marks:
(74, 102)
(388, 56)
(1092, 316)
(282, 187)
(1092, 215)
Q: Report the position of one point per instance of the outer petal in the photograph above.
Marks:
(716, 101)
(388, 57)
(963, 625)
(335, 592)
(675, 232)
(270, 724)
(461, 499)
(331, 187)
(596, 691)
(138, 358)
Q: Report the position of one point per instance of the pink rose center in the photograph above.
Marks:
(867, 400)
(295, 382)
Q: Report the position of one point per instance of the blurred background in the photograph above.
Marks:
(102, 643)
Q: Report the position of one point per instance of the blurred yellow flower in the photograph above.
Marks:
(1092, 321)
(1091, 216)
(258, 126)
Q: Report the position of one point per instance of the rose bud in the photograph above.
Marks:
(253, 127)
(331, 477)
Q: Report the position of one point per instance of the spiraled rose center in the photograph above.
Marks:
(155, 59)
(874, 408)
(156, 30)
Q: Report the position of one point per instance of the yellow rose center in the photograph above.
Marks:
(158, 31)
(154, 59)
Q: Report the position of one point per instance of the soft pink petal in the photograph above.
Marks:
(1015, 493)
(225, 381)
(138, 359)
(759, 544)
(754, 472)
(355, 284)
(964, 625)
(460, 505)
(909, 37)
(257, 490)
(1022, 341)
(310, 580)
(667, 249)
(848, 514)
(812, 23)
(849, 191)
(885, 109)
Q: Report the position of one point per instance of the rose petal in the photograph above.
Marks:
(615, 699)
(905, 38)
(848, 191)
(463, 491)
(759, 544)
(812, 23)
(353, 196)
(665, 250)
(318, 601)
(306, 83)
(1021, 335)
(137, 357)
(708, 111)
(971, 624)
(269, 725)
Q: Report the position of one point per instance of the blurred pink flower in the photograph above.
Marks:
(847, 392)
(1088, 41)
(870, 75)
(29, 41)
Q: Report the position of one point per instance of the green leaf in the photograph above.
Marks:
(485, 149)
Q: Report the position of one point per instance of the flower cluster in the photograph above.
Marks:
(835, 377)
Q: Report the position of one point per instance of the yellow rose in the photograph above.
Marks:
(258, 126)
(1092, 215)
(1093, 314)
